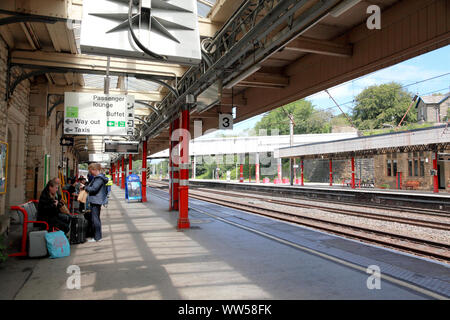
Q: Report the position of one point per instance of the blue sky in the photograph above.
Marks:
(408, 73)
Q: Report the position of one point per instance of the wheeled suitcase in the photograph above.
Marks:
(37, 246)
(78, 229)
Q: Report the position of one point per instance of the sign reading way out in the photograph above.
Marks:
(98, 114)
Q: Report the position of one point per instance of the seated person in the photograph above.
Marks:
(49, 208)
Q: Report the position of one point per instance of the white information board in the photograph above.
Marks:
(98, 114)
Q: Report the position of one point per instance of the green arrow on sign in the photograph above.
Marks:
(111, 124)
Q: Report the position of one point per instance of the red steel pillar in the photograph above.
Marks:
(249, 169)
(295, 170)
(122, 184)
(241, 173)
(183, 213)
(113, 173)
(331, 172)
(302, 168)
(435, 177)
(175, 167)
(130, 164)
(353, 173)
(144, 171)
(257, 167)
(280, 173)
(170, 168)
(118, 173)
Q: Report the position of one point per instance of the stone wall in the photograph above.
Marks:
(319, 170)
(14, 119)
(31, 135)
(426, 181)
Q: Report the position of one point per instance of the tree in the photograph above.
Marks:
(383, 104)
(306, 118)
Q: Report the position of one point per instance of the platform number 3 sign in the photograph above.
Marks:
(225, 121)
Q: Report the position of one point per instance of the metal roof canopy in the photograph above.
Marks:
(253, 144)
(434, 138)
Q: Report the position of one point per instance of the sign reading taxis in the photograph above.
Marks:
(98, 114)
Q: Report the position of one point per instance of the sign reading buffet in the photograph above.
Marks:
(98, 114)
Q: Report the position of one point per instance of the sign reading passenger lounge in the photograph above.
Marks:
(98, 114)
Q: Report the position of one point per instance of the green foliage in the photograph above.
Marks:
(137, 167)
(3, 254)
(383, 104)
(412, 126)
(306, 118)
(83, 166)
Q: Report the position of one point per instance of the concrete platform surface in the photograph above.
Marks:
(143, 256)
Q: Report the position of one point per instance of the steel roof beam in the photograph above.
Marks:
(81, 63)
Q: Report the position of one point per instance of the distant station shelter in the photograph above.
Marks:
(416, 159)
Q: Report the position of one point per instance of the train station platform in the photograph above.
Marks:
(226, 254)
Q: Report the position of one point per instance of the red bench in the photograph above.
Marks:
(412, 185)
(28, 210)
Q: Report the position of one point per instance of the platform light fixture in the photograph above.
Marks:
(343, 7)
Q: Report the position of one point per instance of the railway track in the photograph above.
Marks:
(422, 247)
(355, 213)
(410, 244)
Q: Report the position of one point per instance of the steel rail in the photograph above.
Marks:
(411, 244)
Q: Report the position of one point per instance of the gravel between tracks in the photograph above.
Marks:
(405, 229)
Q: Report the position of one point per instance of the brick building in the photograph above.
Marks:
(31, 135)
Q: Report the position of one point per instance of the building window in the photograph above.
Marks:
(389, 168)
(394, 168)
(416, 164)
